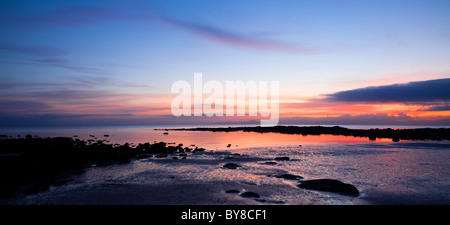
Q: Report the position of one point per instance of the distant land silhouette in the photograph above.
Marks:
(435, 134)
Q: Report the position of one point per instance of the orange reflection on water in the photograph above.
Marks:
(219, 140)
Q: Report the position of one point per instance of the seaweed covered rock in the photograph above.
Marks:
(329, 185)
(249, 194)
(289, 177)
(231, 166)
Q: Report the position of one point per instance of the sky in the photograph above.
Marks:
(113, 62)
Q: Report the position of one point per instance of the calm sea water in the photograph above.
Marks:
(209, 140)
(407, 172)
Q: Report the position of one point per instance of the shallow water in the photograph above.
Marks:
(208, 140)
(414, 172)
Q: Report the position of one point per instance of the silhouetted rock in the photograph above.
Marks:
(271, 163)
(197, 149)
(143, 156)
(395, 139)
(229, 145)
(232, 192)
(32, 164)
(329, 185)
(289, 177)
(282, 158)
(231, 166)
(249, 194)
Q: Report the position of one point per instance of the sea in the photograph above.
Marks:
(385, 172)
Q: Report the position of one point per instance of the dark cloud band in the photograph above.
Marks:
(418, 92)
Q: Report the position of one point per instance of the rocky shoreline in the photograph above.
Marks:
(32, 164)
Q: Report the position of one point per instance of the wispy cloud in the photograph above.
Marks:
(63, 63)
(22, 106)
(220, 35)
(70, 16)
(82, 16)
(438, 108)
(50, 56)
(33, 50)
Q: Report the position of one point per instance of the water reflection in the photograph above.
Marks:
(205, 139)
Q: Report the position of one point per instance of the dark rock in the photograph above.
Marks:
(197, 149)
(236, 154)
(174, 157)
(282, 158)
(166, 133)
(250, 194)
(395, 139)
(231, 166)
(232, 192)
(229, 145)
(143, 156)
(184, 157)
(229, 157)
(275, 202)
(289, 177)
(329, 185)
(271, 163)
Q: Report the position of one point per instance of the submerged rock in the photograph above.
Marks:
(231, 166)
(250, 194)
(271, 163)
(161, 155)
(282, 158)
(329, 185)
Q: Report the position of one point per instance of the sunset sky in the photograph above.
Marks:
(113, 62)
